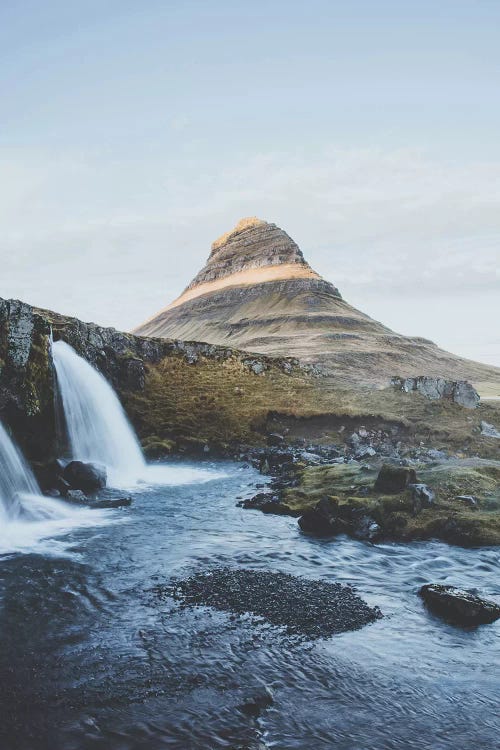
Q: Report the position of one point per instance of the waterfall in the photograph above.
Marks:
(17, 482)
(97, 427)
(29, 521)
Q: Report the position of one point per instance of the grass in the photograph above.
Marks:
(449, 519)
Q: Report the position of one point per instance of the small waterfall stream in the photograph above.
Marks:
(27, 518)
(99, 431)
(16, 479)
(97, 427)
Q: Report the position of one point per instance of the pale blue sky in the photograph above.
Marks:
(132, 134)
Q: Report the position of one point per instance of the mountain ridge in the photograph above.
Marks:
(257, 292)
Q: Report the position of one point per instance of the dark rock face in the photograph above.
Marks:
(321, 520)
(459, 606)
(85, 476)
(459, 391)
(315, 609)
(394, 479)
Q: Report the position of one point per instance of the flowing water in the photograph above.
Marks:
(97, 426)
(98, 429)
(27, 518)
(90, 658)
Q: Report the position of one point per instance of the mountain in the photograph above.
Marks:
(257, 292)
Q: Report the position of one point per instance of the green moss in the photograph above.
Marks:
(448, 518)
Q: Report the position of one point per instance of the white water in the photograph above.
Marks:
(99, 431)
(26, 517)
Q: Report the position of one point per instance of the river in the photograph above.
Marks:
(91, 658)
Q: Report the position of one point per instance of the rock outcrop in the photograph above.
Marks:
(460, 392)
(257, 292)
(146, 374)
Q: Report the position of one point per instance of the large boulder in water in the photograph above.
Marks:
(459, 606)
(322, 520)
(85, 476)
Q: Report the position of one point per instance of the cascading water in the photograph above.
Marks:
(16, 479)
(98, 428)
(26, 517)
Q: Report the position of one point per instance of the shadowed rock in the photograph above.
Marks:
(459, 606)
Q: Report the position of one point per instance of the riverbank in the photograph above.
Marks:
(335, 490)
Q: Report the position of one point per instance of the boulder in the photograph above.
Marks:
(275, 439)
(489, 430)
(459, 391)
(85, 476)
(321, 520)
(467, 499)
(394, 479)
(462, 607)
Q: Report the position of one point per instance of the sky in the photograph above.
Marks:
(134, 134)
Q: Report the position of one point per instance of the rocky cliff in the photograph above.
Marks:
(175, 392)
(257, 292)
(188, 396)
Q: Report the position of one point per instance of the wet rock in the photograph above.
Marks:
(393, 479)
(77, 497)
(85, 476)
(489, 430)
(310, 458)
(275, 439)
(467, 499)
(322, 520)
(462, 607)
(315, 609)
(367, 529)
(365, 451)
(422, 496)
(254, 705)
(53, 493)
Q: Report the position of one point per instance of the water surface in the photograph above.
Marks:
(89, 658)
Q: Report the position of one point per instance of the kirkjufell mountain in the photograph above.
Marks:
(257, 292)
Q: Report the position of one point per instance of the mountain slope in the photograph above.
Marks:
(257, 292)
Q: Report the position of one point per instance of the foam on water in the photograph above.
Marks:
(27, 519)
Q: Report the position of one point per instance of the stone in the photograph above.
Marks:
(77, 497)
(467, 499)
(310, 458)
(462, 607)
(394, 479)
(254, 705)
(367, 529)
(322, 519)
(459, 391)
(86, 476)
(489, 430)
(422, 496)
(366, 451)
(275, 439)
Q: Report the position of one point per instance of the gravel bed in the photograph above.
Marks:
(315, 609)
